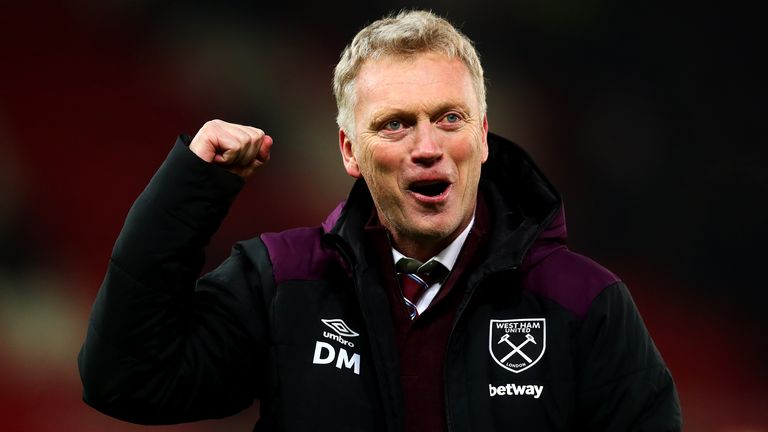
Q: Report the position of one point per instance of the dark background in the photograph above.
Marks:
(648, 118)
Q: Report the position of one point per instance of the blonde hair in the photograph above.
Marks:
(406, 34)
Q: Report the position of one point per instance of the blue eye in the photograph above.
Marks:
(393, 125)
(452, 118)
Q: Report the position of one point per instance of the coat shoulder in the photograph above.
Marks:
(299, 254)
(569, 279)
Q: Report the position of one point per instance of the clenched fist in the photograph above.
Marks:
(237, 148)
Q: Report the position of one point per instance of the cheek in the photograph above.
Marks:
(469, 160)
(468, 152)
(379, 164)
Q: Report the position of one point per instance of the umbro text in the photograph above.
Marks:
(338, 339)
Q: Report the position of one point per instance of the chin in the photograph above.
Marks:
(431, 232)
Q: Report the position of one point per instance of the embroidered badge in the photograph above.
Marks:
(517, 344)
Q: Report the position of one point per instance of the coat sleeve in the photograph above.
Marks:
(625, 385)
(163, 347)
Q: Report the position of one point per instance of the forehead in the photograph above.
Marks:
(413, 82)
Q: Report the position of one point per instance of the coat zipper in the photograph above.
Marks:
(459, 313)
(339, 244)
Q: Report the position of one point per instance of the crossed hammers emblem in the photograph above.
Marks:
(516, 348)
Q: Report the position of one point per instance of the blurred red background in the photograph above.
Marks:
(646, 117)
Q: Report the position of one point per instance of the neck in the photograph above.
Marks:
(420, 249)
(424, 247)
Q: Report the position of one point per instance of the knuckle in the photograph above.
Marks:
(210, 129)
(255, 133)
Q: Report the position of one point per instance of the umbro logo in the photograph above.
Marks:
(326, 353)
(340, 327)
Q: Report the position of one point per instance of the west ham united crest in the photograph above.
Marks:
(517, 344)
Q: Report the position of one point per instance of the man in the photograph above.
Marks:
(439, 296)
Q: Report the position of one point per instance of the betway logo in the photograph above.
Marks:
(516, 390)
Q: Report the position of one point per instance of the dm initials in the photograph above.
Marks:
(325, 353)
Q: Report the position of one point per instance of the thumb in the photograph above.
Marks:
(266, 147)
(225, 158)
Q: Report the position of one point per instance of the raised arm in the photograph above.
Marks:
(163, 346)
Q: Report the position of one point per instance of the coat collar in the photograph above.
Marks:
(526, 210)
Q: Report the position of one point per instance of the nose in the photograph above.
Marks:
(427, 148)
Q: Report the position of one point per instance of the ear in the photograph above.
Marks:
(350, 161)
(485, 138)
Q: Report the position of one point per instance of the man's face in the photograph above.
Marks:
(419, 142)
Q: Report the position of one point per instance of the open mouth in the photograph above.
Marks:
(430, 189)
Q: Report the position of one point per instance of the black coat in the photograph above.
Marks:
(545, 339)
